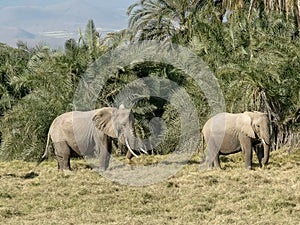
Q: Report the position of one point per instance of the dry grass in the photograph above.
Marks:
(192, 196)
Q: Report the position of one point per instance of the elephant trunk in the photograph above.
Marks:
(129, 148)
(266, 144)
(266, 153)
(130, 143)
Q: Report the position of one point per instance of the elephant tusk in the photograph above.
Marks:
(130, 148)
(144, 151)
(263, 141)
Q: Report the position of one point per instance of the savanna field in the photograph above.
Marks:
(234, 195)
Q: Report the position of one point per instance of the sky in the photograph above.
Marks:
(52, 22)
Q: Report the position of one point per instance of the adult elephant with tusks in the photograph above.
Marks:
(91, 131)
(227, 133)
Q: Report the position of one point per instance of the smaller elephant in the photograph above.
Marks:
(89, 132)
(227, 133)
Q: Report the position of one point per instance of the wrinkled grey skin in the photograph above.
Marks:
(91, 131)
(227, 133)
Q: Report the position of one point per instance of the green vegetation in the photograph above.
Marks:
(253, 49)
(42, 195)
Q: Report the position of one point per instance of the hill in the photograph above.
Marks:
(40, 17)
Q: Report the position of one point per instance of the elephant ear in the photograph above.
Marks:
(103, 119)
(244, 121)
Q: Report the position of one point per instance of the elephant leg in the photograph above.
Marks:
(62, 153)
(105, 153)
(209, 159)
(207, 162)
(248, 158)
(259, 153)
(217, 161)
(213, 154)
(247, 149)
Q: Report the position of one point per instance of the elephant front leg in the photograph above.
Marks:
(247, 150)
(105, 154)
(259, 153)
(248, 158)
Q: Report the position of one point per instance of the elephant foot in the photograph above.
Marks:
(98, 170)
(66, 173)
(205, 166)
(101, 169)
(63, 168)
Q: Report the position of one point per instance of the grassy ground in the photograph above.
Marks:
(42, 195)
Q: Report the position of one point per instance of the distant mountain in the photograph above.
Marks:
(54, 21)
(20, 33)
(16, 33)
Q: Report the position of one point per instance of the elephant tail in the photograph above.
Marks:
(45, 155)
(203, 150)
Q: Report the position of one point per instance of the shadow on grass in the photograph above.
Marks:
(29, 175)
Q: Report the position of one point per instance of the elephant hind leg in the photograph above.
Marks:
(62, 153)
(212, 151)
(217, 161)
(213, 160)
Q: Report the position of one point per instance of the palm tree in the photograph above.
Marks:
(262, 72)
(117, 38)
(297, 14)
(13, 62)
(50, 89)
(92, 41)
(162, 19)
(289, 8)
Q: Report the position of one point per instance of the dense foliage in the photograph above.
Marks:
(253, 49)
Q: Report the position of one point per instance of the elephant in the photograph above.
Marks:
(90, 131)
(227, 133)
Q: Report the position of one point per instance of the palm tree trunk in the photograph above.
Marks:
(251, 7)
(297, 14)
